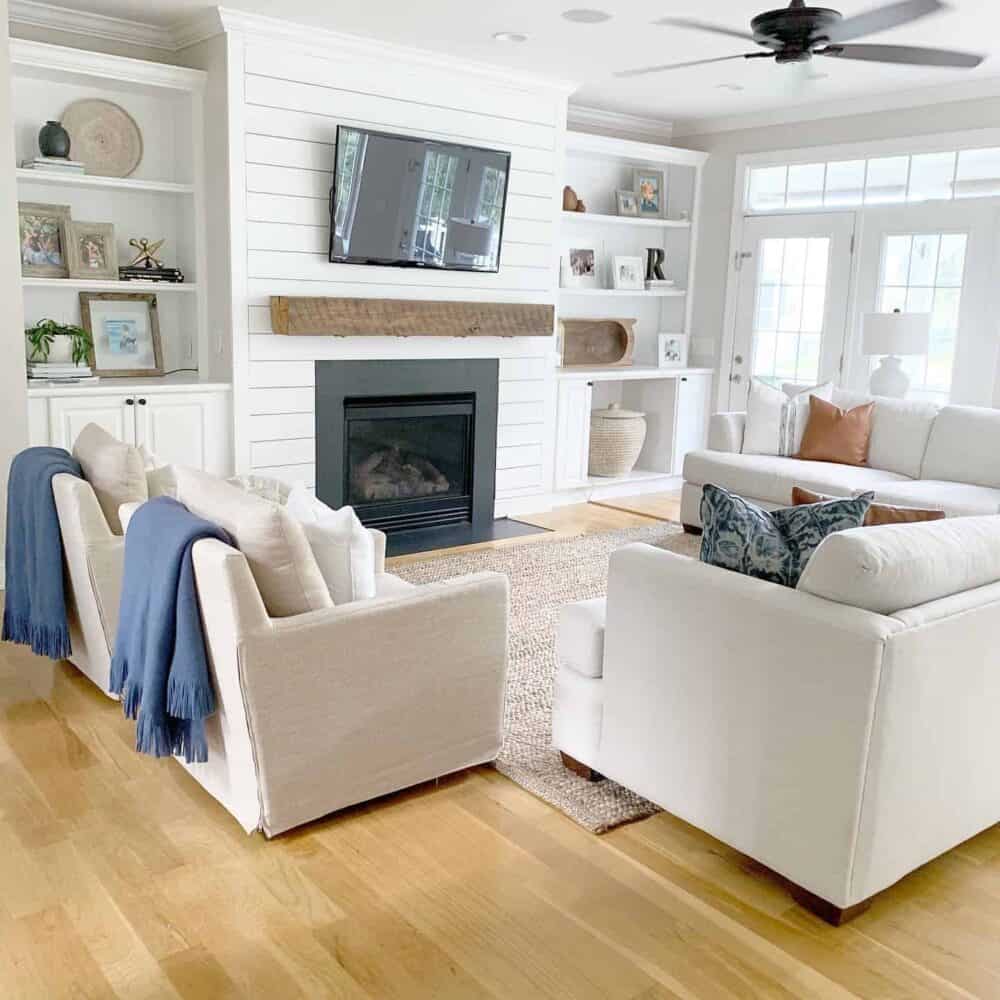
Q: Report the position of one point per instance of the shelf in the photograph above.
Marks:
(179, 382)
(29, 176)
(632, 373)
(656, 293)
(626, 220)
(96, 285)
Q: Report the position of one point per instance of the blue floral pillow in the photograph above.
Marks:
(772, 545)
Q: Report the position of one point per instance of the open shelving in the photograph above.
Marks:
(97, 285)
(635, 221)
(627, 293)
(26, 175)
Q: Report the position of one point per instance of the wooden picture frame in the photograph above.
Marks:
(651, 192)
(41, 234)
(91, 251)
(130, 333)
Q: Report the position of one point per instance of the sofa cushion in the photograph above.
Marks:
(955, 499)
(836, 435)
(878, 513)
(900, 428)
(580, 637)
(389, 585)
(898, 566)
(770, 545)
(776, 419)
(275, 546)
(771, 478)
(115, 470)
(964, 446)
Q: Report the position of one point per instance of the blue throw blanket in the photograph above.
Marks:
(35, 605)
(160, 667)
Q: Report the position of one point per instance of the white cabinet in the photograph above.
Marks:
(573, 433)
(179, 425)
(691, 416)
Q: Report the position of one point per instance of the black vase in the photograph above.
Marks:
(53, 140)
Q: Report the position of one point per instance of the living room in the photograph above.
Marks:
(568, 590)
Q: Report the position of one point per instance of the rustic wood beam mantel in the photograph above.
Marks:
(348, 317)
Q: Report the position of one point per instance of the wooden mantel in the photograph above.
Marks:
(349, 317)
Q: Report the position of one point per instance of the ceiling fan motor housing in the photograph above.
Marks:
(793, 32)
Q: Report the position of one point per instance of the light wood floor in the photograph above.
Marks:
(120, 877)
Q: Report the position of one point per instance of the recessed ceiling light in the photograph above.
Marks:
(819, 76)
(736, 87)
(509, 36)
(586, 15)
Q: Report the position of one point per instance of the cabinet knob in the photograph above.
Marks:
(684, 378)
(130, 402)
(142, 402)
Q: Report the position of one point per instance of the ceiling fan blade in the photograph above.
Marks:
(688, 22)
(881, 18)
(695, 62)
(909, 55)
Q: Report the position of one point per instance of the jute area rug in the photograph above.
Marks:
(545, 575)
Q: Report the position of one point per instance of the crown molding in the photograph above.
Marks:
(79, 22)
(620, 125)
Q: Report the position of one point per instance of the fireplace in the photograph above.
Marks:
(411, 445)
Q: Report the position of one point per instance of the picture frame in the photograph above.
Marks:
(628, 274)
(91, 250)
(672, 350)
(125, 330)
(627, 203)
(41, 231)
(578, 268)
(651, 193)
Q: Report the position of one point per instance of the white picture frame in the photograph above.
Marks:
(628, 273)
(672, 350)
(578, 268)
(627, 203)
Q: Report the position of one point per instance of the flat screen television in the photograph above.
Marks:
(408, 202)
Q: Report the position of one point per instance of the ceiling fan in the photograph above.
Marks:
(796, 33)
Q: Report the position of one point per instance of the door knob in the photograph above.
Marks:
(738, 360)
(737, 378)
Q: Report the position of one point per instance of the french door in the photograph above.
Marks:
(792, 300)
(934, 258)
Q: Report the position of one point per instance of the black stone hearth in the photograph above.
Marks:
(411, 445)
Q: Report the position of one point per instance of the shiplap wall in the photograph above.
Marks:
(284, 131)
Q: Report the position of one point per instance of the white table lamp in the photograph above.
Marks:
(889, 335)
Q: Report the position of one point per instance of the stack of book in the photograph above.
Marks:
(59, 373)
(54, 164)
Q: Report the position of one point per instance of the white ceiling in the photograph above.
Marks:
(591, 53)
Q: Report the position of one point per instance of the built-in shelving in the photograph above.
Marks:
(28, 176)
(595, 218)
(98, 285)
(626, 293)
(628, 373)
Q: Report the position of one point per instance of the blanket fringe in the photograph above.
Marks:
(189, 700)
(45, 640)
(153, 738)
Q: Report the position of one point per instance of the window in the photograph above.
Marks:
(790, 307)
(923, 272)
(350, 152)
(884, 180)
(434, 205)
(490, 197)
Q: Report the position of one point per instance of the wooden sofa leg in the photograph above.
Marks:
(690, 529)
(584, 770)
(834, 915)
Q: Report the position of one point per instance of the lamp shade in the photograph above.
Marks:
(895, 333)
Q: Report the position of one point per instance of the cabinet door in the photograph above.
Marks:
(68, 415)
(573, 433)
(186, 428)
(691, 421)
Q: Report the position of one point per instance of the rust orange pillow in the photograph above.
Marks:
(836, 435)
(878, 513)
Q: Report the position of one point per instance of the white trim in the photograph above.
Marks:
(81, 22)
(609, 147)
(847, 105)
(618, 124)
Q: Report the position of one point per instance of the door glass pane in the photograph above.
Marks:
(922, 272)
(789, 308)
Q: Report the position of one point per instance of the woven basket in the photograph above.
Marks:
(616, 438)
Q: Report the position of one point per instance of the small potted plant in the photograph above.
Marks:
(49, 341)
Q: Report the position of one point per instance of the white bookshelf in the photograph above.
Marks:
(636, 222)
(163, 199)
(623, 293)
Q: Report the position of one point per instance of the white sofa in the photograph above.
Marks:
(321, 710)
(921, 455)
(842, 733)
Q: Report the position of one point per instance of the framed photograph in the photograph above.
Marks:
(125, 329)
(672, 350)
(628, 202)
(42, 238)
(627, 273)
(91, 251)
(651, 192)
(578, 268)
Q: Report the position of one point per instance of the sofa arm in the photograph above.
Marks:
(378, 537)
(355, 701)
(725, 431)
(80, 515)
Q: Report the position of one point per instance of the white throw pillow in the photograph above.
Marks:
(275, 546)
(776, 418)
(161, 480)
(115, 471)
(343, 547)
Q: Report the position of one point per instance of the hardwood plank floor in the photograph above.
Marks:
(120, 877)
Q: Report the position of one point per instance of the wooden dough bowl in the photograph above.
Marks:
(606, 343)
